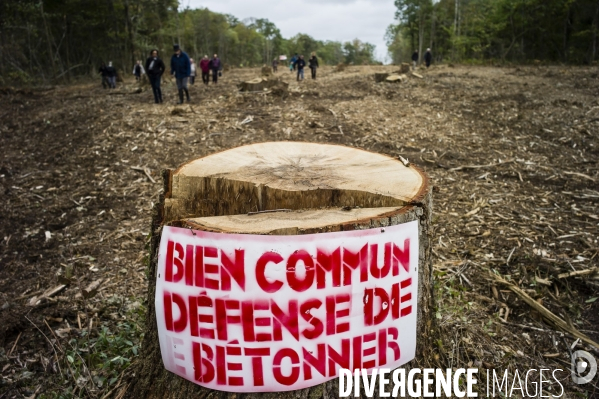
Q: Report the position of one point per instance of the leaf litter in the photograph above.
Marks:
(513, 154)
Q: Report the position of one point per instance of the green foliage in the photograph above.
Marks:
(44, 41)
(95, 362)
(507, 30)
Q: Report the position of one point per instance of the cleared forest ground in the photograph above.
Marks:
(513, 154)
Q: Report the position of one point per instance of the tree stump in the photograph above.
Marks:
(323, 188)
(266, 71)
(380, 77)
(396, 78)
(404, 67)
(261, 84)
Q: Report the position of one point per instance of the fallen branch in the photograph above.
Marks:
(479, 166)
(544, 312)
(579, 175)
(49, 293)
(91, 289)
(579, 273)
(14, 345)
(145, 170)
(51, 344)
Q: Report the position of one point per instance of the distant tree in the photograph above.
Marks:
(514, 30)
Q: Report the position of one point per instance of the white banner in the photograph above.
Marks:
(261, 313)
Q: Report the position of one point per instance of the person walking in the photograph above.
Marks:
(300, 64)
(215, 67)
(155, 68)
(181, 69)
(192, 75)
(138, 70)
(428, 57)
(275, 64)
(294, 60)
(205, 67)
(313, 64)
(111, 75)
(104, 75)
(415, 58)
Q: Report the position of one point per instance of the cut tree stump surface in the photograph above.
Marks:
(289, 175)
(282, 222)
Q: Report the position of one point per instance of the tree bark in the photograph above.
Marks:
(595, 30)
(380, 77)
(313, 181)
(129, 27)
(48, 40)
(421, 33)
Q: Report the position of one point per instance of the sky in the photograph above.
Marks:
(340, 20)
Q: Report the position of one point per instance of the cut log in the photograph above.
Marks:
(419, 76)
(380, 76)
(396, 78)
(92, 289)
(286, 188)
(266, 71)
(261, 84)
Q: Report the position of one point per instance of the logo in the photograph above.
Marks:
(584, 367)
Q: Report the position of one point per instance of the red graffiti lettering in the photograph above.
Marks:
(288, 320)
(204, 267)
(263, 282)
(202, 364)
(223, 309)
(180, 324)
(339, 359)
(297, 284)
(174, 257)
(333, 314)
(257, 354)
(382, 308)
(318, 362)
(295, 370)
(306, 312)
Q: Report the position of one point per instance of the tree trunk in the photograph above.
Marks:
(266, 71)
(421, 34)
(260, 84)
(380, 77)
(455, 30)
(48, 41)
(129, 27)
(323, 188)
(566, 40)
(432, 27)
(595, 30)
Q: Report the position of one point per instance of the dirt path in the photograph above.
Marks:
(513, 153)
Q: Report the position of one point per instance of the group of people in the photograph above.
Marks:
(182, 68)
(298, 64)
(428, 58)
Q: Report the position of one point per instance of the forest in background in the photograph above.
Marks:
(517, 31)
(52, 41)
